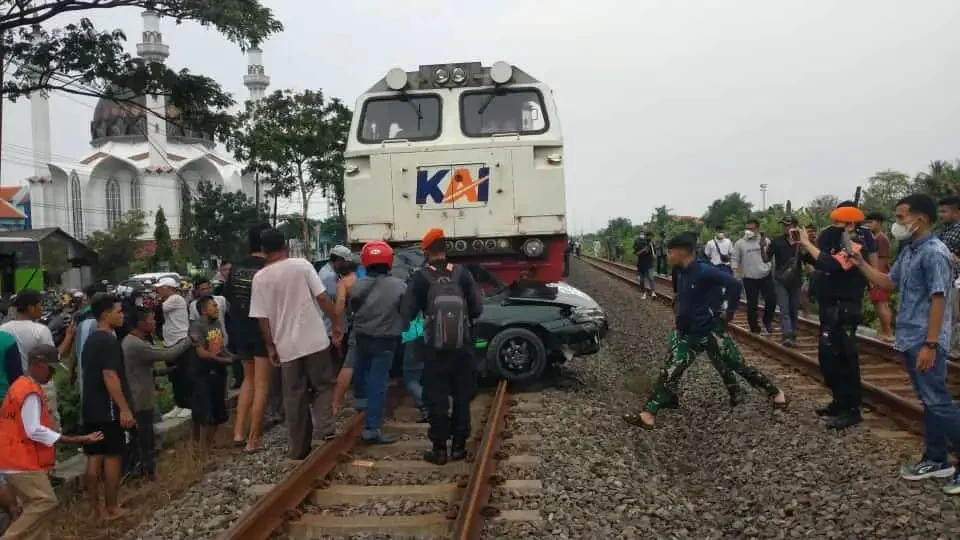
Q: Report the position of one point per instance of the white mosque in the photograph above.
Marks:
(137, 160)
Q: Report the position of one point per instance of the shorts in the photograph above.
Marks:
(114, 441)
(247, 351)
(878, 295)
(209, 399)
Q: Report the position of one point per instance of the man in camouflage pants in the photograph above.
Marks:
(701, 291)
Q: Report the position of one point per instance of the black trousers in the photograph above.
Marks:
(180, 380)
(755, 288)
(662, 267)
(446, 375)
(145, 442)
(837, 351)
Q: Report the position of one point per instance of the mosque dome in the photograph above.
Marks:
(125, 119)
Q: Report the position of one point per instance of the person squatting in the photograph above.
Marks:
(706, 299)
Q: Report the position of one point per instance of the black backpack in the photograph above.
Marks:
(445, 319)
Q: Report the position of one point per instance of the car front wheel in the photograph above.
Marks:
(517, 355)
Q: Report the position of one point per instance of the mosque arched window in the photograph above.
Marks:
(113, 202)
(76, 206)
(135, 193)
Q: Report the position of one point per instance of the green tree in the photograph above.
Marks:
(82, 60)
(295, 142)
(291, 225)
(942, 178)
(884, 189)
(334, 228)
(732, 206)
(163, 245)
(117, 246)
(222, 219)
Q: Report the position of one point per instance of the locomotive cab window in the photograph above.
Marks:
(490, 112)
(414, 118)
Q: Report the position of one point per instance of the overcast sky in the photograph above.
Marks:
(661, 102)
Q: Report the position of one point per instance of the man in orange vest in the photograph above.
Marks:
(26, 444)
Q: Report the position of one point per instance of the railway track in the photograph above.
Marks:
(885, 382)
(344, 488)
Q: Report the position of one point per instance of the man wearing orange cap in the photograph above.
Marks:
(450, 300)
(840, 290)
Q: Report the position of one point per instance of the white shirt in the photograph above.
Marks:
(176, 324)
(285, 293)
(28, 335)
(221, 307)
(37, 432)
(725, 248)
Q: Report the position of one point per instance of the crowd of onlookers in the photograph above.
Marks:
(838, 266)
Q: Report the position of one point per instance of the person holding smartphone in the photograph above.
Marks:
(840, 290)
(788, 259)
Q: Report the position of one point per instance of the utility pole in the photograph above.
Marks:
(763, 197)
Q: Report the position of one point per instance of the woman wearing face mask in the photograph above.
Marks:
(840, 290)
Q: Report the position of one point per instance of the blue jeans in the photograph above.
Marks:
(413, 370)
(646, 278)
(941, 417)
(374, 359)
(788, 298)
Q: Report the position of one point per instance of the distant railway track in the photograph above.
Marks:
(315, 498)
(885, 382)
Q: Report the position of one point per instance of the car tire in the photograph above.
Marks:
(517, 355)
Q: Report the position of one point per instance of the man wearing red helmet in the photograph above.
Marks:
(377, 325)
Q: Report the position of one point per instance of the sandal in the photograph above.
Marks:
(634, 419)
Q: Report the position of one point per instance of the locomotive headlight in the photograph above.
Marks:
(533, 247)
(478, 244)
(491, 244)
(503, 243)
(460, 245)
(459, 75)
(448, 245)
(441, 76)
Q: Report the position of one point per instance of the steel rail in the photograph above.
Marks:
(906, 413)
(470, 517)
(269, 513)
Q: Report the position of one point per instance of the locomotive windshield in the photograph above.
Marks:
(414, 118)
(489, 112)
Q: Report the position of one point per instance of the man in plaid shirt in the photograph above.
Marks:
(949, 214)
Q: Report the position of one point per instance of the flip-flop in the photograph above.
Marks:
(249, 451)
(238, 444)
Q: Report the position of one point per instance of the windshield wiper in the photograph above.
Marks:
(486, 103)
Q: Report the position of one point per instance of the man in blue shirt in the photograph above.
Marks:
(923, 273)
(329, 274)
(701, 291)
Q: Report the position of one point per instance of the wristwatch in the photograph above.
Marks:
(930, 344)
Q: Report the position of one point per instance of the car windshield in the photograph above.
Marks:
(502, 111)
(414, 118)
(408, 260)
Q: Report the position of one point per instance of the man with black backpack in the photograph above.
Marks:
(450, 300)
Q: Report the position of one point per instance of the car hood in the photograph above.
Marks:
(550, 293)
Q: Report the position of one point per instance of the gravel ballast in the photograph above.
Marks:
(707, 471)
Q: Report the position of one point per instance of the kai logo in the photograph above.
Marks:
(451, 185)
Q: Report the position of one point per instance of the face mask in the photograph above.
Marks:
(720, 236)
(749, 235)
(902, 232)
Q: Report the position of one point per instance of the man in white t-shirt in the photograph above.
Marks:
(29, 333)
(288, 298)
(176, 325)
(719, 250)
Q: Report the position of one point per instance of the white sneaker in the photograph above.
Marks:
(643, 296)
(172, 413)
(185, 413)
(653, 295)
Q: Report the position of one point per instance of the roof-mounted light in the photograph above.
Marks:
(441, 76)
(396, 79)
(501, 72)
(459, 75)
